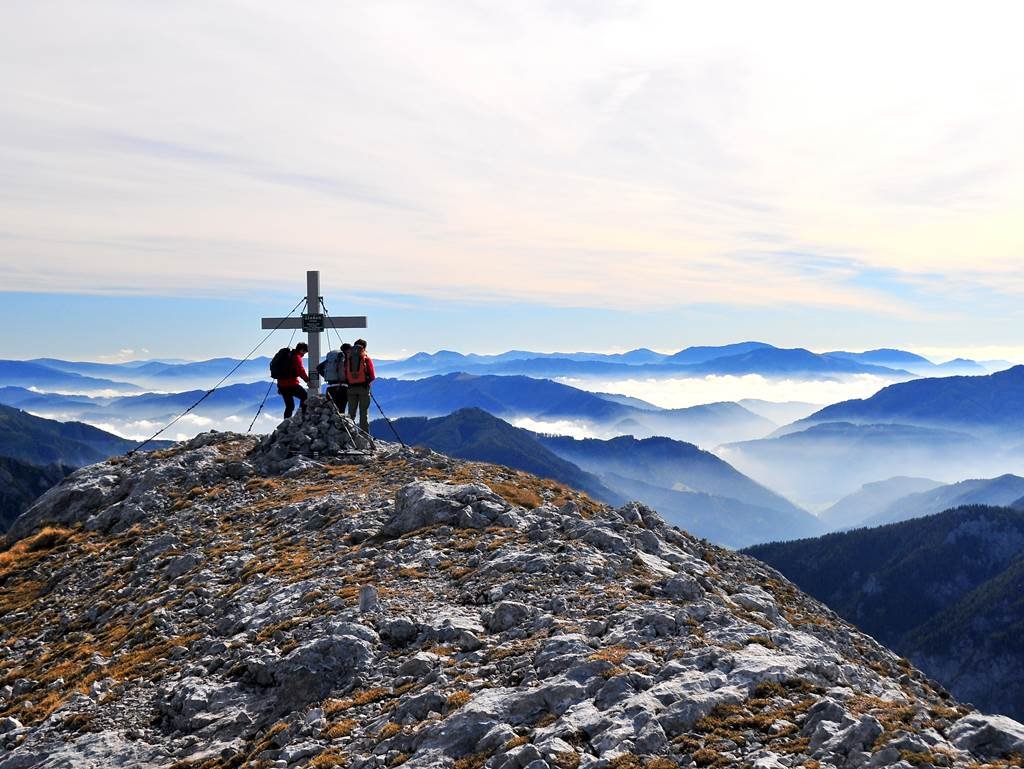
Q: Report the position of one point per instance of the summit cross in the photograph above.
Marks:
(314, 322)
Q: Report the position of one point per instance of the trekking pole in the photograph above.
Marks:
(260, 409)
(390, 423)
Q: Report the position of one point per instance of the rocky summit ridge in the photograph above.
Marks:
(230, 603)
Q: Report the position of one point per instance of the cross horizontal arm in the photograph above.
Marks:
(351, 321)
(282, 323)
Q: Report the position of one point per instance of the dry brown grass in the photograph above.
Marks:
(341, 728)
(327, 760)
(708, 757)
(917, 758)
(515, 742)
(277, 728)
(947, 713)
(457, 699)
(332, 707)
(509, 650)
(26, 552)
(626, 761)
(283, 626)
(727, 720)
(141, 660)
(518, 494)
(892, 715)
(474, 761)
(614, 655)
(388, 731)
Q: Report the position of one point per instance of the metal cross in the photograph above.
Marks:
(313, 322)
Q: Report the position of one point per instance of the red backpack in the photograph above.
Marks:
(356, 370)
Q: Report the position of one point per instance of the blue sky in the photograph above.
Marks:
(123, 327)
(484, 175)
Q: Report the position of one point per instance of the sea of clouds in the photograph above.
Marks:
(694, 391)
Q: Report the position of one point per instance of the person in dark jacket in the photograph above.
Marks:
(289, 387)
(359, 375)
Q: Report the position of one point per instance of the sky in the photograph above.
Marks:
(481, 176)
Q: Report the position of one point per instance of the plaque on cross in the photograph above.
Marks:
(314, 322)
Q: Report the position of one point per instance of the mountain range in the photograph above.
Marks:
(871, 499)
(944, 590)
(692, 487)
(45, 442)
(1002, 491)
(826, 461)
(32, 374)
(916, 364)
(902, 498)
(990, 406)
(738, 359)
(741, 358)
(36, 453)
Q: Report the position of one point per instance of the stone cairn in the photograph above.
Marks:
(317, 432)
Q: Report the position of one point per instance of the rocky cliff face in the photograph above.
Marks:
(225, 603)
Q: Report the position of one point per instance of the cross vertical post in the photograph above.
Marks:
(313, 336)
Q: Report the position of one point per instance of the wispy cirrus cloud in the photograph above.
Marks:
(622, 155)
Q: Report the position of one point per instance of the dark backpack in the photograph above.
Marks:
(281, 366)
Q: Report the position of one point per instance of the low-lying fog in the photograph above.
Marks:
(185, 428)
(681, 393)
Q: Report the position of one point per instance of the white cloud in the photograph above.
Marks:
(685, 392)
(557, 427)
(622, 154)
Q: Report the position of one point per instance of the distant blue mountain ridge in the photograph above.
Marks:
(944, 428)
(741, 358)
(912, 362)
(737, 359)
(982, 405)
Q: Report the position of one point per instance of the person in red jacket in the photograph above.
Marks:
(359, 374)
(289, 388)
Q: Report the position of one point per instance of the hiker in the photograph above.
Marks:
(288, 384)
(333, 372)
(359, 375)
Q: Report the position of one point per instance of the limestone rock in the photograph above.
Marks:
(240, 599)
(317, 431)
(990, 737)
(426, 503)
